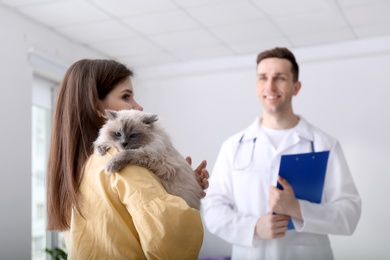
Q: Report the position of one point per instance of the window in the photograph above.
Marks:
(43, 93)
(48, 73)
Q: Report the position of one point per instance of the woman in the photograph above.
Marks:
(126, 215)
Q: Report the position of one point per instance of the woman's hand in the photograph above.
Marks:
(201, 173)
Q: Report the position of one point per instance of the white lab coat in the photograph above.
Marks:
(239, 189)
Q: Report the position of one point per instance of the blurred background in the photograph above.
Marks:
(195, 66)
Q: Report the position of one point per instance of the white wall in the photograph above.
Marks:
(345, 92)
(18, 35)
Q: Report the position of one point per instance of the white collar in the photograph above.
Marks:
(303, 130)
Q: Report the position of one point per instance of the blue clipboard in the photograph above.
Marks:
(306, 174)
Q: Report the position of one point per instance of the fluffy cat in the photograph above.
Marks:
(142, 141)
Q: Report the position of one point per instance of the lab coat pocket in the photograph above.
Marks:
(250, 190)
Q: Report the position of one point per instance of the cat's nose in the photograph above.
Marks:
(124, 145)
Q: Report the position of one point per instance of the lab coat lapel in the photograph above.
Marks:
(252, 131)
(301, 131)
(255, 131)
(290, 140)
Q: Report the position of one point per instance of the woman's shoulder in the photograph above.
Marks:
(133, 177)
(138, 175)
(138, 183)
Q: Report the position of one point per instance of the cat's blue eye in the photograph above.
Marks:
(134, 135)
(117, 134)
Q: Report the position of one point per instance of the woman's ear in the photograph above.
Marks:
(99, 109)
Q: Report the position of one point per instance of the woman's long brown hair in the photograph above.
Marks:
(75, 126)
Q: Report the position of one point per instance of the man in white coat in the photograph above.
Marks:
(243, 205)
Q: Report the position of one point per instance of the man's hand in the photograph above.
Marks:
(201, 173)
(272, 226)
(284, 201)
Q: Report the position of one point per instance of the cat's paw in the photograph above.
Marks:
(113, 166)
(100, 150)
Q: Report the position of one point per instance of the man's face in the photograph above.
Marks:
(275, 86)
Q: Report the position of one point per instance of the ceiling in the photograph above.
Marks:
(150, 32)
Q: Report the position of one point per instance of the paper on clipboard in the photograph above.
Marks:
(306, 174)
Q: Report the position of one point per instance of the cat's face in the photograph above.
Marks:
(129, 129)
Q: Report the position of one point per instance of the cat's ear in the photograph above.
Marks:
(109, 114)
(148, 119)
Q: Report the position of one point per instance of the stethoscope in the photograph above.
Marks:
(249, 163)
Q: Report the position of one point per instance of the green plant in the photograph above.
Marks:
(57, 253)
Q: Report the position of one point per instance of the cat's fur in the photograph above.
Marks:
(142, 141)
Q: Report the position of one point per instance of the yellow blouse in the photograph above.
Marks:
(129, 215)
